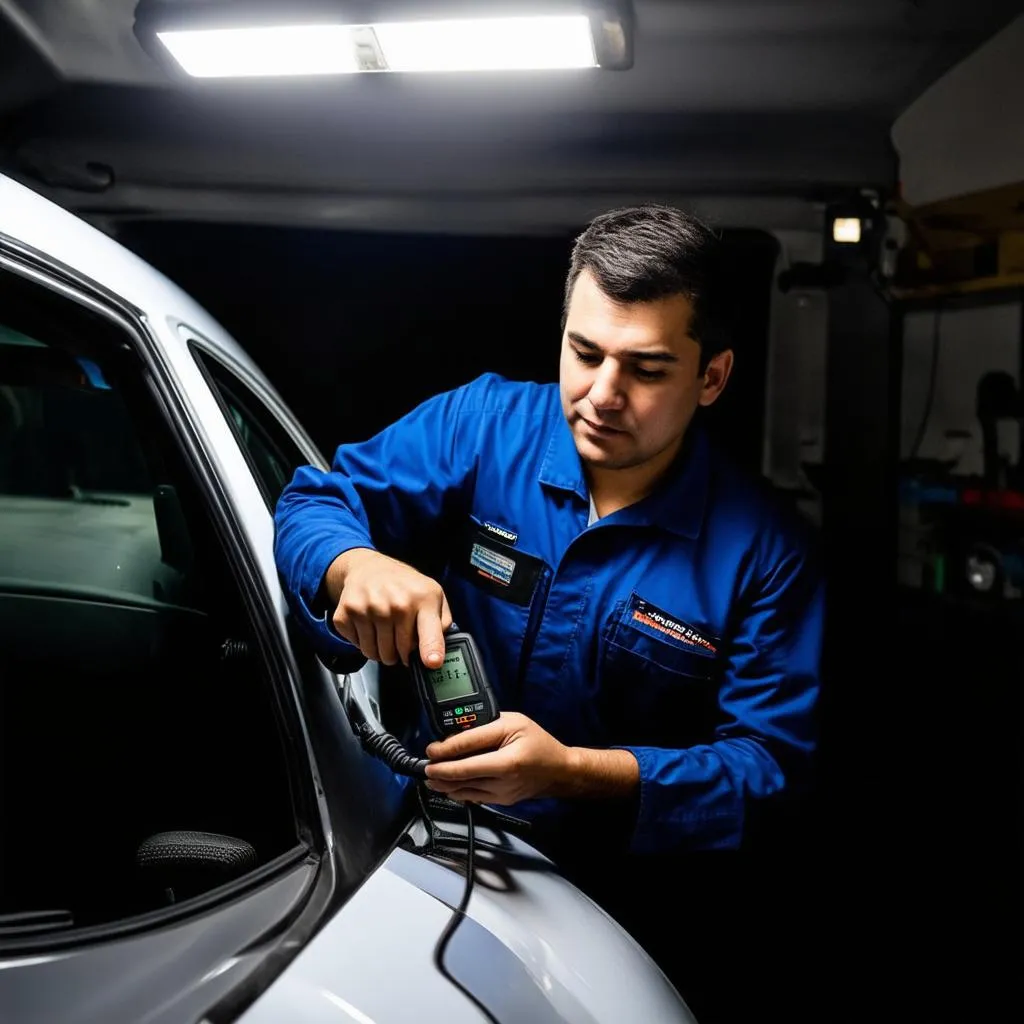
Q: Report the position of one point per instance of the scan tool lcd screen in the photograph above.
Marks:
(452, 680)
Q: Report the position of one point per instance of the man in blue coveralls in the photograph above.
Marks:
(649, 618)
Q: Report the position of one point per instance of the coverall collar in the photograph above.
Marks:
(676, 504)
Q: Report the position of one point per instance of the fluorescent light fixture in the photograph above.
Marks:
(488, 44)
(846, 230)
(465, 44)
(283, 50)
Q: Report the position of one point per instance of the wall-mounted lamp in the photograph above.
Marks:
(855, 230)
(258, 38)
(846, 230)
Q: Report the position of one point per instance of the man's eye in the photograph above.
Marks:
(643, 374)
(587, 358)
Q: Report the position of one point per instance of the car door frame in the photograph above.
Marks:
(257, 947)
(363, 684)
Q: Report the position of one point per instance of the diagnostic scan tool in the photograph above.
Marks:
(457, 695)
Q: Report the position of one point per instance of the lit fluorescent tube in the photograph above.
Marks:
(470, 44)
(280, 50)
(488, 44)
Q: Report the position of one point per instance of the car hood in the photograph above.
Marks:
(531, 947)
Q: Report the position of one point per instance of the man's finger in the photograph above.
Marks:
(344, 627)
(431, 637)
(366, 637)
(385, 634)
(446, 614)
(469, 741)
(403, 638)
(482, 766)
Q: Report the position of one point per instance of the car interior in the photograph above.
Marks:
(142, 749)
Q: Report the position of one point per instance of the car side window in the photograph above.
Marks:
(272, 452)
(80, 504)
(134, 692)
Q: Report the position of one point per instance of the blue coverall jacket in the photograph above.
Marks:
(685, 628)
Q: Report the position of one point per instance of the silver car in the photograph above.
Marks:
(191, 829)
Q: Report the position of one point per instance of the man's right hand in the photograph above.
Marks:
(384, 606)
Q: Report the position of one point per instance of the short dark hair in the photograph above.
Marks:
(642, 253)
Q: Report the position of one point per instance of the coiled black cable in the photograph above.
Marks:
(386, 747)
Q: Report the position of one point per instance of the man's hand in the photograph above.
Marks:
(384, 606)
(511, 759)
(514, 759)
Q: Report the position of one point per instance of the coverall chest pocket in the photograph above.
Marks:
(656, 687)
(494, 592)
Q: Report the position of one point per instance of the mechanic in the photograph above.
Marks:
(650, 618)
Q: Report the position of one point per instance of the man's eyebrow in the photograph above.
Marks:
(660, 356)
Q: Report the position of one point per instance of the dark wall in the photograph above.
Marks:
(901, 898)
(356, 329)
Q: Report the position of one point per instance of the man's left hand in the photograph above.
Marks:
(505, 761)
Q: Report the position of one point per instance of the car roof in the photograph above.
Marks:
(34, 221)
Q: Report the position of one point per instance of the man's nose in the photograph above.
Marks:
(606, 390)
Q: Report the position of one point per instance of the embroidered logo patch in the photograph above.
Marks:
(492, 564)
(508, 536)
(646, 614)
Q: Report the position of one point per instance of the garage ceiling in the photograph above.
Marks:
(759, 101)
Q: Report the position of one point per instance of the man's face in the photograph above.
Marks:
(629, 376)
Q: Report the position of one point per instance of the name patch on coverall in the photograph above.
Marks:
(649, 615)
(501, 532)
(495, 566)
(492, 564)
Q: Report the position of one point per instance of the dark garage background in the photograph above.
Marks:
(357, 328)
(898, 895)
(897, 891)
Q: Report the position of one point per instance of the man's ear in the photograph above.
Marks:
(716, 376)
